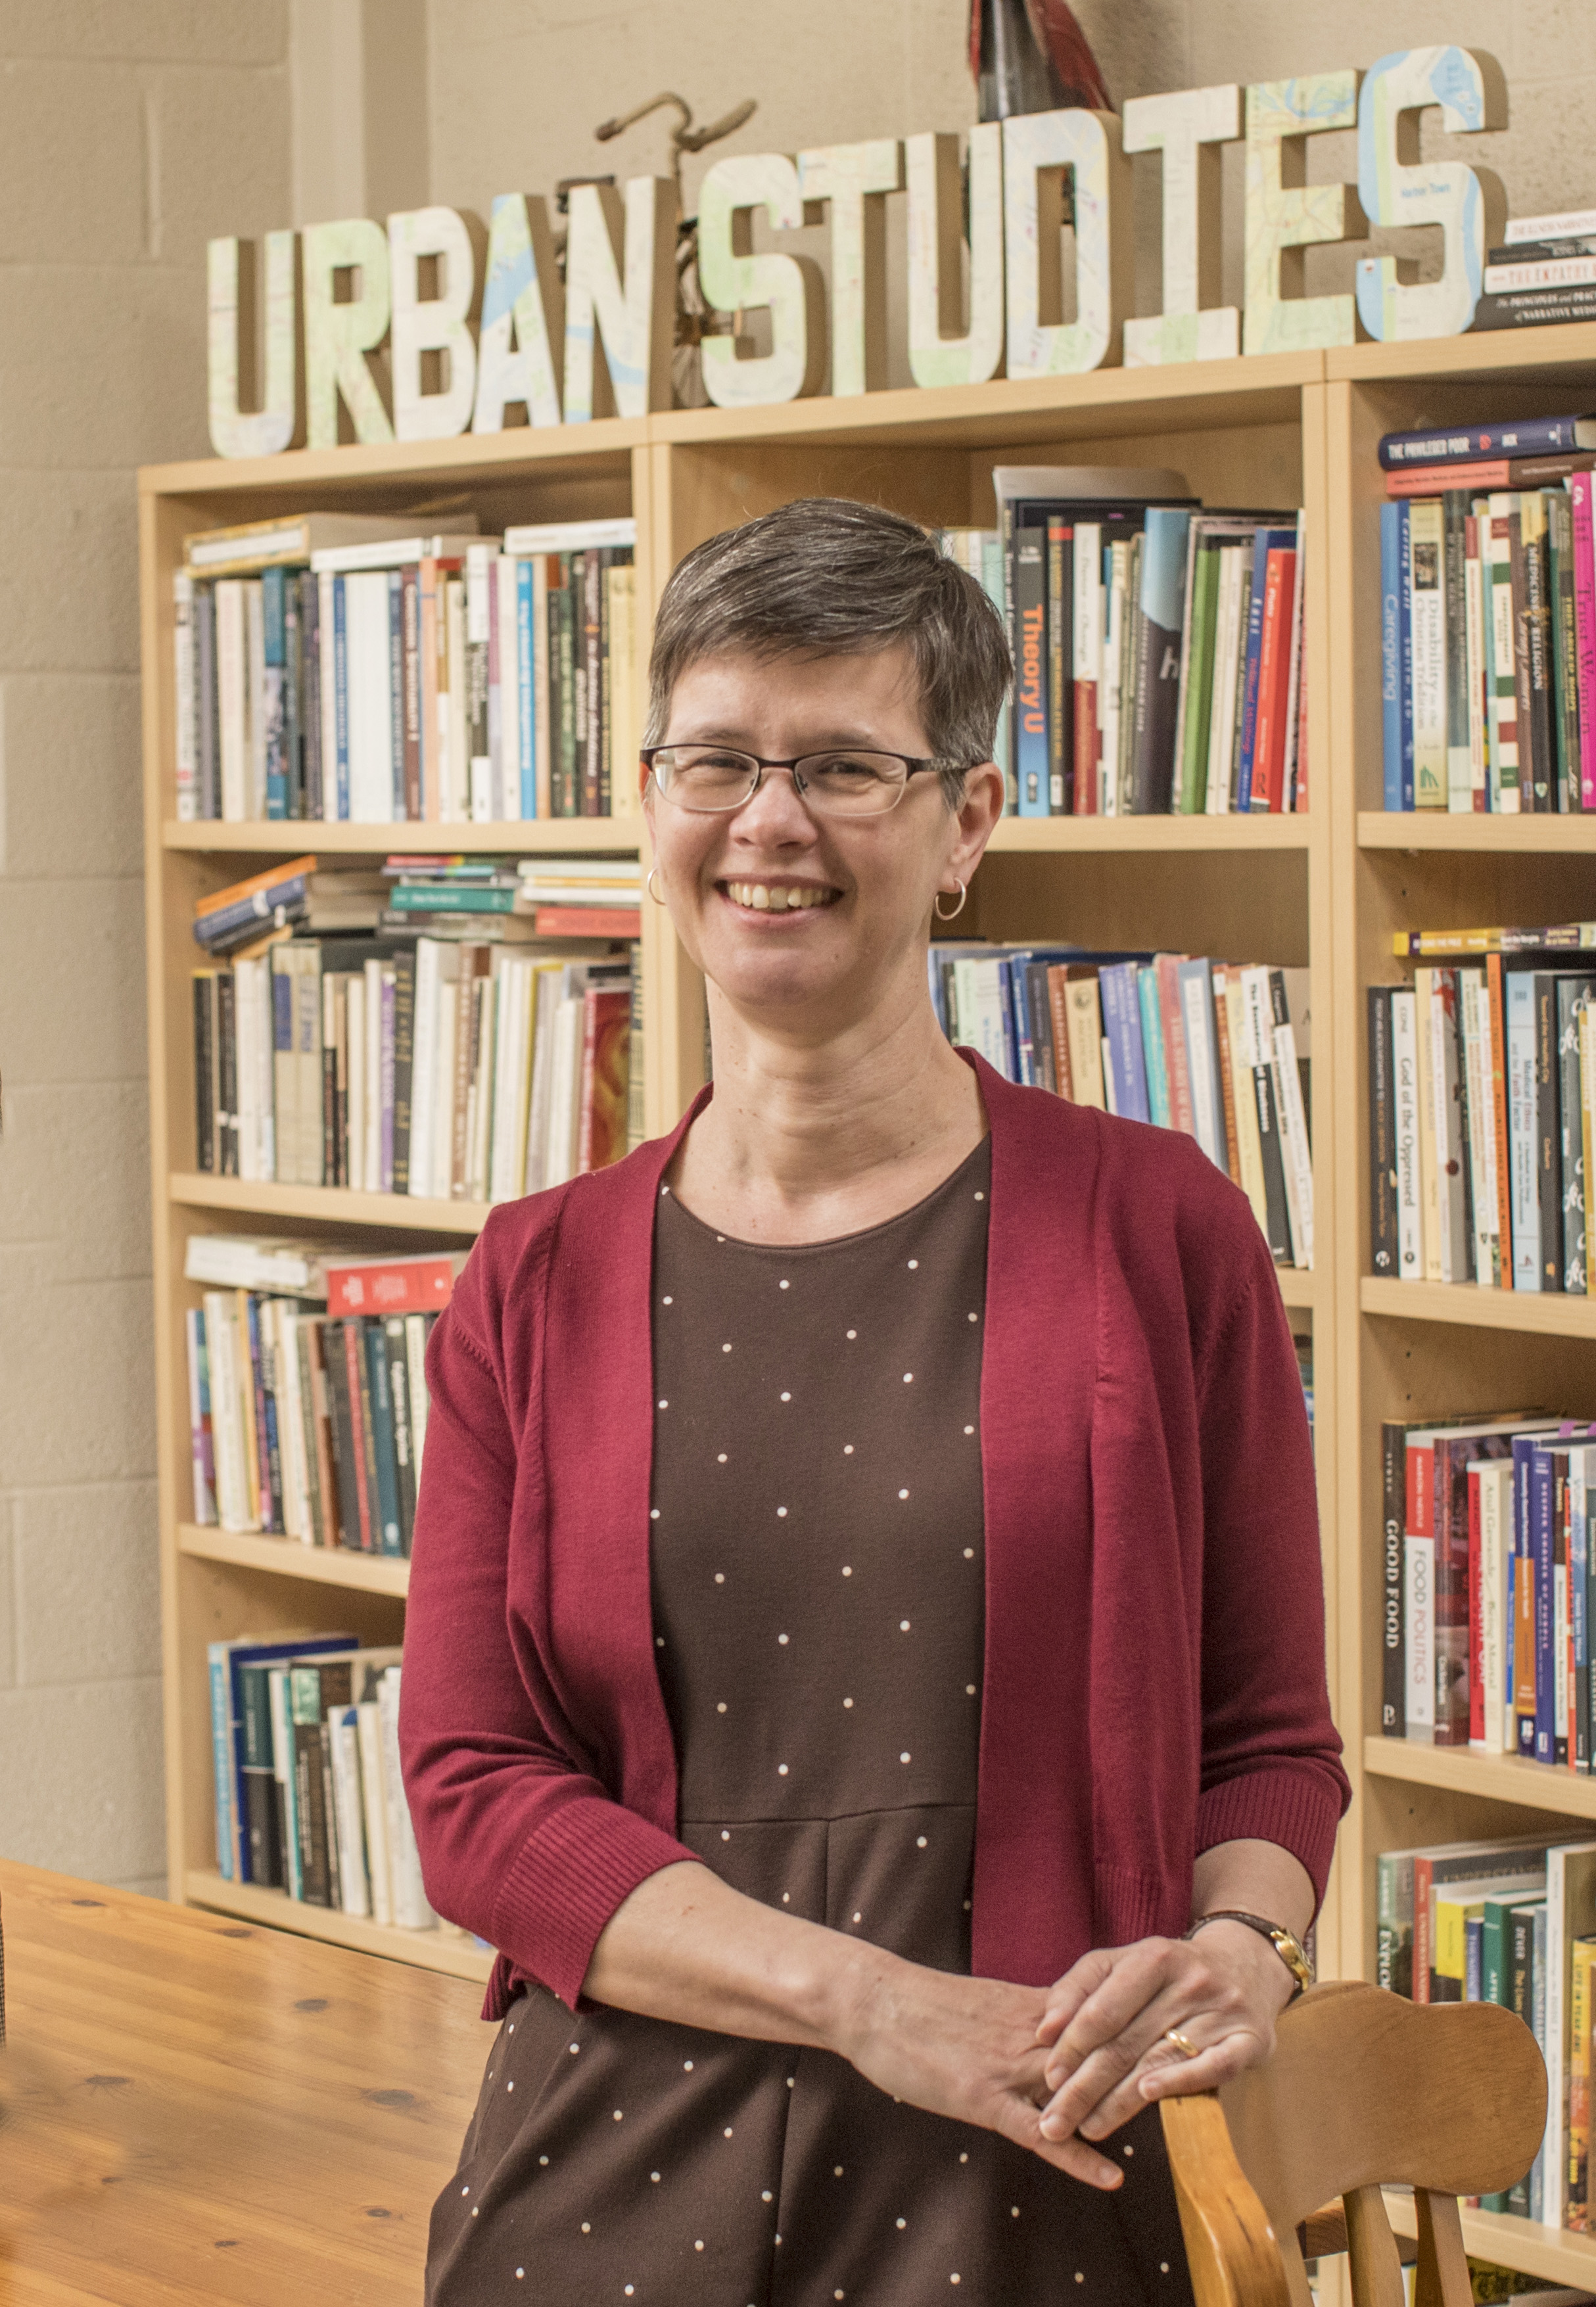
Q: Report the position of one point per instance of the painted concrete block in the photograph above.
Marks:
(87, 1583)
(82, 1790)
(74, 1182)
(77, 1392)
(75, 1004)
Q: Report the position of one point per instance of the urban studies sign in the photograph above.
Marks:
(471, 324)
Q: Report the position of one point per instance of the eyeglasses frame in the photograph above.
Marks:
(913, 764)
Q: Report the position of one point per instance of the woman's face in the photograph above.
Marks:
(869, 880)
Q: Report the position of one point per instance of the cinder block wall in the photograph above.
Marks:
(128, 134)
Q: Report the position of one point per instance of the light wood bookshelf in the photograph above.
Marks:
(1322, 889)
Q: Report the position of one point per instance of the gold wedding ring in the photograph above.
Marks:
(1182, 2043)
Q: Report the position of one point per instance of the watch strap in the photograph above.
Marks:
(1287, 1945)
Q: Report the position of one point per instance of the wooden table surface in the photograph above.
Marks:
(197, 2110)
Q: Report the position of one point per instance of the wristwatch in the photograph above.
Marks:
(1287, 1945)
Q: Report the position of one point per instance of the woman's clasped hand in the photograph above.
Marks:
(1057, 2069)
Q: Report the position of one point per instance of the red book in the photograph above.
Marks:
(1174, 1041)
(354, 1364)
(1268, 773)
(1498, 1117)
(588, 920)
(421, 1284)
(1085, 749)
(606, 1044)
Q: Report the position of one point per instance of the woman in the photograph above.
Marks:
(866, 1600)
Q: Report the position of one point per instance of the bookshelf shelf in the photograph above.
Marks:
(459, 1958)
(1495, 1777)
(1484, 836)
(1555, 2256)
(195, 1190)
(1552, 1316)
(617, 836)
(285, 1558)
(1065, 836)
(1539, 358)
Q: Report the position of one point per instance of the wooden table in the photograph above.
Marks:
(196, 2110)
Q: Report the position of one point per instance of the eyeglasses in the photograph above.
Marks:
(710, 779)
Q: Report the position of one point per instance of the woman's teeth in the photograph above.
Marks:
(767, 897)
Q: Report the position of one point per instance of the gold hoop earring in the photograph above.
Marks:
(648, 885)
(937, 903)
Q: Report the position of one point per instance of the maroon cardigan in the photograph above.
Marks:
(1154, 1669)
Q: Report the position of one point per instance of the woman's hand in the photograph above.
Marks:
(969, 2048)
(1103, 2030)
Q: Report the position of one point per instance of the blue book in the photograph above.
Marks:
(273, 702)
(340, 694)
(1517, 437)
(1122, 1031)
(396, 690)
(1154, 1063)
(1010, 1033)
(1267, 540)
(1523, 1129)
(1541, 1542)
(1404, 640)
(1195, 980)
(1473, 1984)
(1031, 761)
(384, 1452)
(527, 669)
(1392, 598)
(221, 1759)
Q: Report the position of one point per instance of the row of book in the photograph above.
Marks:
(433, 1066)
(1486, 1586)
(1223, 1052)
(1481, 1100)
(334, 667)
(1512, 1923)
(1157, 647)
(1543, 274)
(1487, 617)
(309, 1796)
(505, 900)
(308, 1388)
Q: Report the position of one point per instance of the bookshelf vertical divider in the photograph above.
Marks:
(1324, 890)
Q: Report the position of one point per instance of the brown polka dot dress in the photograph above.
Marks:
(818, 1610)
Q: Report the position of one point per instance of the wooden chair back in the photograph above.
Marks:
(1365, 2090)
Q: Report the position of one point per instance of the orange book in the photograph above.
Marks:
(1222, 1031)
(607, 1048)
(1058, 977)
(1086, 748)
(1576, 2209)
(236, 891)
(588, 920)
(1268, 772)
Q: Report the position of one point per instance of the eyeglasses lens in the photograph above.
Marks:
(834, 784)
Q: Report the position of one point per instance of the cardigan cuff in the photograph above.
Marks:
(568, 1880)
(1298, 1808)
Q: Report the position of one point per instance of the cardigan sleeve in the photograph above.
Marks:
(519, 1840)
(1271, 1765)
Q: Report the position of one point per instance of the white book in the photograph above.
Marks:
(1087, 606)
(452, 704)
(568, 536)
(423, 1043)
(1202, 1066)
(979, 986)
(443, 1076)
(383, 553)
(226, 1435)
(507, 748)
(559, 1159)
(1446, 1111)
(1109, 1101)
(370, 701)
(416, 1362)
(624, 736)
(549, 977)
(297, 1445)
(1570, 1914)
(343, 1733)
(193, 1333)
(1494, 1480)
(411, 1911)
(479, 1095)
(186, 697)
(355, 1076)
(282, 1771)
(1298, 1157)
(1109, 691)
(1568, 224)
(1475, 1004)
(232, 706)
(1473, 798)
(254, 626)
(374, 1802)
(1418, 1629)
(1404, 1053)
(513, 977)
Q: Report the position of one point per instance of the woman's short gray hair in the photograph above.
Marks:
(828, 576)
